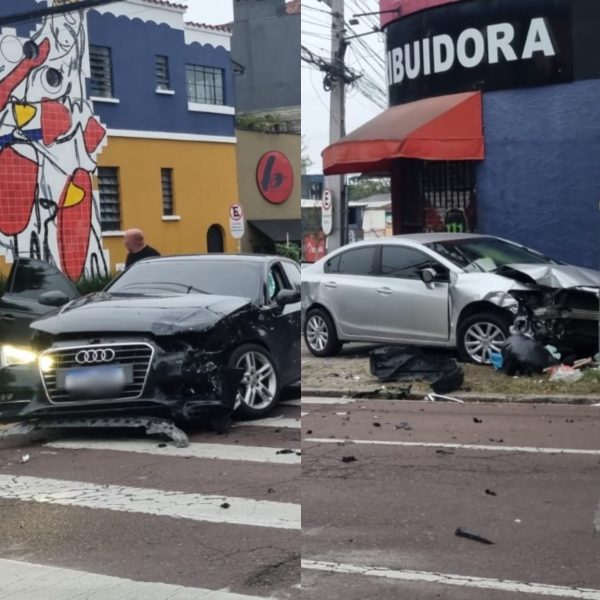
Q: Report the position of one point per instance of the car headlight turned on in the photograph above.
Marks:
(13, 355)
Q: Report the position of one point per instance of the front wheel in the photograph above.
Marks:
(320, 334)
(259, 389)
(480, 335)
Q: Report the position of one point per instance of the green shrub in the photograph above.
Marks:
(289, 251)
(87, 285)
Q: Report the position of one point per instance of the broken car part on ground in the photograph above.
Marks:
(186, 338)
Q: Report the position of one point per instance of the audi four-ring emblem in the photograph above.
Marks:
(100, 355)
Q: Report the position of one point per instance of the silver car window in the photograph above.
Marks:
(358, 261)
(405, 263)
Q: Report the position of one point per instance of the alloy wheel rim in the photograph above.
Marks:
(482, 339)
(259, 382)
(317, 334)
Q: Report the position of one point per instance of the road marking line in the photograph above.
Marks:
(540, 589)
(294, 402)
(271, 422)
(260, 454)
(325, 401)
(498, 448)
(178, 505)
(23, 581)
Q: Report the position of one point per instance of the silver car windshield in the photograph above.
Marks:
(486, 254)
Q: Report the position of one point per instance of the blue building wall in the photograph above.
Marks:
(540, 181)
(134, 45)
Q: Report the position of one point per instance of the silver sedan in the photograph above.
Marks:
(461, 291)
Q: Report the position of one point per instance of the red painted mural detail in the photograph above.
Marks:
(56, 120)
(406, 7)
(314, 247)
(17, 194)
(49, 146)
(94, 134)
(74, 223)
(275, 177)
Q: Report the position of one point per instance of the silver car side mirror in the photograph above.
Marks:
(428, 275)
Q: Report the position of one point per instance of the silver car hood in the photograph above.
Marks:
(555, 276)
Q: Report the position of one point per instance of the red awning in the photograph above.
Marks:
(442, 128)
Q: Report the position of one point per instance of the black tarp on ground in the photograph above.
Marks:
(408, 363)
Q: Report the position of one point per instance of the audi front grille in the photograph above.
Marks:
(136, 355)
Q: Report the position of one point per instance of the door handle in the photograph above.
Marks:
(384, 291)
(330, 285)
(6, 318)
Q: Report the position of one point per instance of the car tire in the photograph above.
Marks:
(481, 334)
(259, 389)
(320, 335)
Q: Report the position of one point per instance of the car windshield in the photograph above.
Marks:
(216, 277)
(486, 254)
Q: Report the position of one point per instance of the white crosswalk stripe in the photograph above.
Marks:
(25, 581)
(259, 454)
(282, 422)
(197, 507)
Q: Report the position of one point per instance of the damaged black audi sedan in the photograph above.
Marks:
(184, 337)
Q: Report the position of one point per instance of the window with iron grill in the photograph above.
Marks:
(447, 184)
(101, 79)
(166, 176)
(163, 80)
(204, 84)
(110, 198)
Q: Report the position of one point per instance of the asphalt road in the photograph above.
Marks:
(386, 484)
(119, 516)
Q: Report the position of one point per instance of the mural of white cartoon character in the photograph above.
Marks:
(49, 144)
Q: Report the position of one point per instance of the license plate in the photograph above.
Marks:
(97, 381)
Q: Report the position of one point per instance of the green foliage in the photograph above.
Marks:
(363, 188)
(87, 285)
(289, 251)
(271, 123)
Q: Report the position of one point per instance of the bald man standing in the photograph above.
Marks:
(138, 249)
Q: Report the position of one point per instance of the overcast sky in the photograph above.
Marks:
(213, 12)
(365, 55)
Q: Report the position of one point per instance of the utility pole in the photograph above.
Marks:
(337, 121)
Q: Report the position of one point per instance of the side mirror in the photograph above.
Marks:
(285, 297)
(54, 298)
(428, 275)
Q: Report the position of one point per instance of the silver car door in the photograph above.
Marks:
(410, 310)
(349, 288)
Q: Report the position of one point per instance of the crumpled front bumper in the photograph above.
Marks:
(176, 388)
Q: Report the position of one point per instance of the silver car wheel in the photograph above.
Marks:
(258, 387)
(481, 339)
(317, 334)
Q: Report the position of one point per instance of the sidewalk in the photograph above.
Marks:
(348, 375)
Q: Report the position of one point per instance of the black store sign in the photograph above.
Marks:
(486, 45)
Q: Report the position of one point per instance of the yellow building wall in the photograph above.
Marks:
(204, 187)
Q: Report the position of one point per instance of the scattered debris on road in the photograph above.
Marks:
(490, 492)
(476, 420)
(25, 458)
(348, 459)
(460, 532)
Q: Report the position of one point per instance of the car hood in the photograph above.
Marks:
(157, 315)
(552, 276)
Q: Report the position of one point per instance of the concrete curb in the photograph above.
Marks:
(466, 396)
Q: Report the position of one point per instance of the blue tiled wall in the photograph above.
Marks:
(540, 181)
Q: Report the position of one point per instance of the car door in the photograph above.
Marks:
(348, 288)
(285, 321)
(19, 305)
(409, 309)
